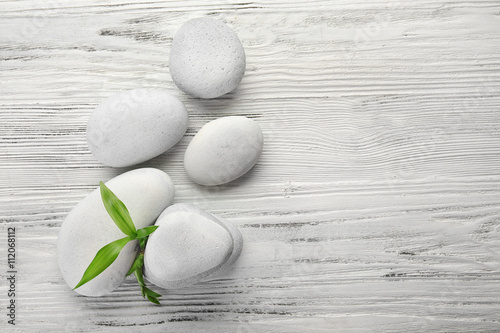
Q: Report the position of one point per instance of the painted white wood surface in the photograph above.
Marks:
(374, 208)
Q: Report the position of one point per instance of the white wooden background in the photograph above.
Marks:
(375, 206)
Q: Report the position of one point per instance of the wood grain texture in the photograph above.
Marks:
(375, 206)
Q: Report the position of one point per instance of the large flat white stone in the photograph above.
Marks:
(88, 227)
(134, 126)
(189, 246)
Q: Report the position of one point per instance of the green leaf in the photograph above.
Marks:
(138, 276)
(104, 257)
(142, 242)
(108, 254)
(146, 292)
(117, 210)
(138, 263)
(144, 232)
(153, 299)
(149, 292)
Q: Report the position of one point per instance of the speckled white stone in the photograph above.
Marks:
(207, 59)
(134, 126)
(223, 150)
(189, 246)
(145, 192)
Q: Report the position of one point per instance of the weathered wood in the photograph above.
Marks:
(374, 207)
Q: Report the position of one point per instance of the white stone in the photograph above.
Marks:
(145, 192)
(223, 150)
(134, 126)
(207, 59)
(189, 246)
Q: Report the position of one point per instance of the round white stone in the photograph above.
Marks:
(145, 192)
(190, 245)
(134, 126)
(223, 150)
(207, 59)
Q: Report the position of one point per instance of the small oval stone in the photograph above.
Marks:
(207, 59)
(145, 192)
(190, 245)
(134, 126)
(223, 150)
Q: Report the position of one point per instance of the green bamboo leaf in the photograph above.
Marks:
(140, 279)
(142, 242)
(104, 257)
(149, 292)
(153, 299)
(117, 210)
(138, 263)
(146, 292)
(144, 232)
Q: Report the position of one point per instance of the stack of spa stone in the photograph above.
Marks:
(207, 60)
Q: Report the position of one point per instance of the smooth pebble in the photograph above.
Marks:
(223, 150)
(134, 126)
(207, 59)
(189, 246)
(145, 192)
